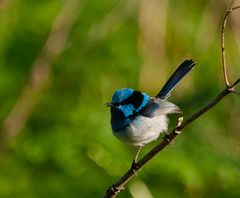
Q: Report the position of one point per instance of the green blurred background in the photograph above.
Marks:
(60, 61)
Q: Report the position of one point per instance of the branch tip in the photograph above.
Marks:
(224, 65)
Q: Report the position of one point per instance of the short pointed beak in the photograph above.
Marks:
(108, 104)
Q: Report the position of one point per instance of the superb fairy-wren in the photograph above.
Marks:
(137, 118)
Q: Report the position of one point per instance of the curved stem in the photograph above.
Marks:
(223, 48)
(225, 74)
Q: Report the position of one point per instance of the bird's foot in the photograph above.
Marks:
(165, 136)
(116, 189)
(178, 128)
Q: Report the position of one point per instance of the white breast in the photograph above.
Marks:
(143, 130)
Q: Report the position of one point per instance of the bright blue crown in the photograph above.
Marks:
(121, 94)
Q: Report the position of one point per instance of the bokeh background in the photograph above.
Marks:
(60, 61)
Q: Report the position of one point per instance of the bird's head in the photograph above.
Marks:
(128, 101)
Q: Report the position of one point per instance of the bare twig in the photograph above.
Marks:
(39, 76)
(113, 190)
(223, 44)
(232, 88)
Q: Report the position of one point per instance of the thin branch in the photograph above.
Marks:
(232, 88)
(223, 44)
(113, 190)
(235, 83)
(53, 47)
(223, 49)
(119, 185)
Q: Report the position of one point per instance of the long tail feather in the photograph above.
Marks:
(180, 72)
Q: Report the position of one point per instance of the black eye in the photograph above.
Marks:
(135, 99)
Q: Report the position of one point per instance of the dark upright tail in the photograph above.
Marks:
(180, 72)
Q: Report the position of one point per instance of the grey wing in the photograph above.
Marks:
(160, 107)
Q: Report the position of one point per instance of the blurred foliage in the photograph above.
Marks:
(66, 148)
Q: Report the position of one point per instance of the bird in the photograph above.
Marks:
(137, 118)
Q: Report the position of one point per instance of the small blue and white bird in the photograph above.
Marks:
(137, 118)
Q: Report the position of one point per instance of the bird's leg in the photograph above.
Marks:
(179, 124)
(134, 163)
(177, 130)
(165, 136)
(115, 189)
(136, 156)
